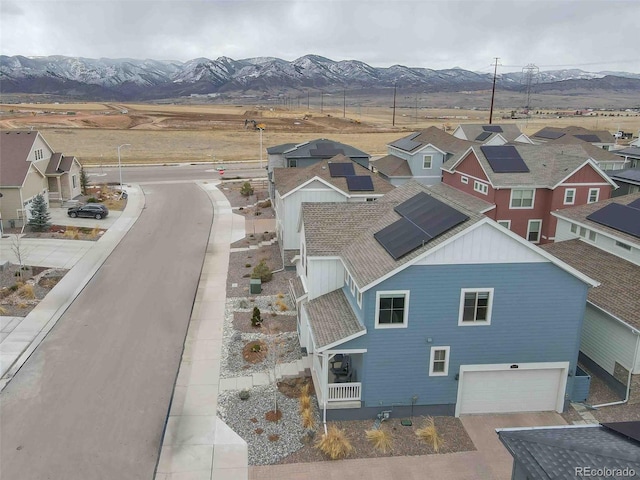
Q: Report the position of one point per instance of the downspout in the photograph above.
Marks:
(325, 374)
(635, 356)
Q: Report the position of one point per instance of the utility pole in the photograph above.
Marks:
(308, 99)
(395, 87)
(321, 101)
(493, 91)
(344, 102)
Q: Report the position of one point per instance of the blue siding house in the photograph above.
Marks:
(472, 319)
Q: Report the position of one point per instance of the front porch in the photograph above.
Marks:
(335, 378)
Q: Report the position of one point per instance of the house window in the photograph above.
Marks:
(480, 187)
(302, 254)
(293, 163)
(392, 309)
(583, 232)
(347, 278)
(634, 188)
(592, 235)
(353, 287)
(475, 306)
(370, 199)
(464, 180)
(569, 196)
(522, 198)
(73, 180)
(623, 246)
(574, 228)
(38, 154)
(426, 161)
(505, 223)
(439, 362)
(594, 194)
(359, 298)
(534, 228)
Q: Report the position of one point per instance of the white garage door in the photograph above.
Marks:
(501, 389)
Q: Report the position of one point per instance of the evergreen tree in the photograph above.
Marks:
(84, 181)
(40, 216)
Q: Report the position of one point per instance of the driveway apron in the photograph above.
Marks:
(91, 401)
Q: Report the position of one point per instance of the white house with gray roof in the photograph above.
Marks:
(418, 300)
(494, 134)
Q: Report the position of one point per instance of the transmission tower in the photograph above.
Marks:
(530, 75)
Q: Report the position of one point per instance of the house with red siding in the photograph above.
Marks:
(527, 182)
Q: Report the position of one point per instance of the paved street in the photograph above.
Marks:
(91, 401)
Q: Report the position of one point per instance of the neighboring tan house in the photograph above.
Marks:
(291, 155)
(527, 182)
(335, 180)
(602, 240)
(425, 306)
(494, 134)
(608, 450)
(600, 138)
(30, 167)
(419, 156)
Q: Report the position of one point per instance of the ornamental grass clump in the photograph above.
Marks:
(429, 434)
(335, 443)
(26, 291)
(308, 419)
(381, 440)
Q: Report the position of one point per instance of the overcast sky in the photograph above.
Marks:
(587, 34)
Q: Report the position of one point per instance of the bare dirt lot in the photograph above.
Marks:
(199, 133)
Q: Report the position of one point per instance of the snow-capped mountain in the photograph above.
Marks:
(130, 79)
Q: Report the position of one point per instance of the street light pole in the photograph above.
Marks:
(261, 147)
(120, 164)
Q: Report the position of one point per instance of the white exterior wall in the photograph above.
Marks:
(324, 276)
(603, 242)
(46, 153)
(316, 192)
(606, 341)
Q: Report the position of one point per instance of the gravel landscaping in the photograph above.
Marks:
(239, 274)
(17, 300)
(67, 232)
(231, 190)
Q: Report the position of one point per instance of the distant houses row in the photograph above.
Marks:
(420, 283)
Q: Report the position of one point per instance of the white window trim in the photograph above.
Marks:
(464, 180)
(508, 224)
(424, 157)
(573, 197)
(623, 246)
(597, 190)
(347, 277)
(406, 308)
(533, 199)
(529, 230)
(353, 287)
(481, 187)
(489, 307)
(446, 362)
(359, 298)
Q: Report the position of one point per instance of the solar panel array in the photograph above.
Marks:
(624, 218)
(325, 150)
(423, 219)
(635, 204)
(359, 183)
(504, 159)
(549, 134)
(630, 430)
(588, 138)
(341, 169)
(492, 128)
(483, 136)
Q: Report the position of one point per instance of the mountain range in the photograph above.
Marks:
(129, 79)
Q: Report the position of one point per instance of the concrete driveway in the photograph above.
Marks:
(45, 252)
(490, 461)
(59, 217)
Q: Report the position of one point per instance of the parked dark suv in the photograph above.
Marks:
(95, 210)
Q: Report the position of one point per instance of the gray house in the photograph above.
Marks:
(599, 138)
(628, 180)
(494, 134)
(416, 301)
(631, 156)
(609, 450)
(419, 156)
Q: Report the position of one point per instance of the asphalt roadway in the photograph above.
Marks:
(91, 401)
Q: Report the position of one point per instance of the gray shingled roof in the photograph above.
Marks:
(554, 453)
(603, 135)
(393, 166)
(14, 152)
(280, 149)
(597, 153)
(509, 132)
(436, 137)
(630, 152)
(630, 175)
(298, 287)
(580, 214)
(331, 318)
(548, 164)
(287, 179)
(619, 279)
(304, 150)
(460, 198)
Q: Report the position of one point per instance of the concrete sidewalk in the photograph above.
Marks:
(197, 445)
(85, 258)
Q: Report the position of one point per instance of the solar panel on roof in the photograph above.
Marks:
(623, 218)
(341, 169)
(325, 150)
(483, 136)
(406, 144)
(588, 138)
(430, 214)
(504, 159)
(549, 134)
(401, 237)
(634, 204)
(628, 429)
(359, 183)
(492, 128)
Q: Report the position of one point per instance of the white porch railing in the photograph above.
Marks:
(341, 392)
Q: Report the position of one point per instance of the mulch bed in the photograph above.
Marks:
(240, 274)
(405, 441)
(270, 324)
(15, 305)
(68, 233)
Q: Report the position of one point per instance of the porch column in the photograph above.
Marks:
(59, 188)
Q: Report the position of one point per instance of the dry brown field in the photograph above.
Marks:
(198, 133)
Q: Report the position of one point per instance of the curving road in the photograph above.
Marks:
(92, 400)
